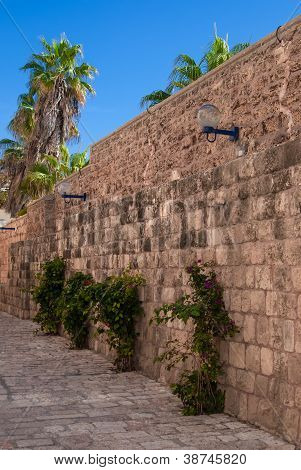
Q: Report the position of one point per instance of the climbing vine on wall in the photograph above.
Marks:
(205, 310)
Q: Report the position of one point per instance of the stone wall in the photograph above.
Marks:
(21, 254)
(245, 217)
(237, 206)
(257, 90)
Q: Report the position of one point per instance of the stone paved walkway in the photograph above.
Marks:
(55, 398)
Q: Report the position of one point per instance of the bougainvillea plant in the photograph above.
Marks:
(47, 293)
(113, 305)
(205, 309)
(117, 306)
(76, 308)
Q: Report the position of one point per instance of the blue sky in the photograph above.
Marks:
(133, 44)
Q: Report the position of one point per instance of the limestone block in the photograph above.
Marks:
(267, 361)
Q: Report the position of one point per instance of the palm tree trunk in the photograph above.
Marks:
(53, 115)
(16, 199)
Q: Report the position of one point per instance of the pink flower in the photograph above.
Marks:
(208, 284)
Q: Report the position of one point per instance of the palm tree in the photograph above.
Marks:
(59, 86)
(186, 70)
(49, 170)
(43, 175)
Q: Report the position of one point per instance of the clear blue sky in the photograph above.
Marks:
(133, 43)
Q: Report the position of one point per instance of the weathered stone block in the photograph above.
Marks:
(243, 406)
(232, 401)
(245, 380)
(276, 335)
(294, 369)
(299, 306)
(245, 301)
(250, 276)
(297, 334)
(261, 385)
(266, 415)
(258, 301)
(249, 327)
(287, 394)
(236, 300)
(291, 423)
(253, 403)
(237, 355)
(263, 277)
(257, 254)
(267, 361)
(296, 278)
(298, 397)
(288, 335)
(253, 358)
(231, 376)
(293, 252)
(262, 331)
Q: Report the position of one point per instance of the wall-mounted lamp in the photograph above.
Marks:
(209, 117)
(64, 189)
(7, 228)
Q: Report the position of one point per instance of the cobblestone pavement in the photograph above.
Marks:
(55, 398)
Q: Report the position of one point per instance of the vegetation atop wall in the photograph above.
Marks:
(186, 70)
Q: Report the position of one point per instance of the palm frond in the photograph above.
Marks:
(38, 181)
(185, 71)
(8, 143)
(78, 160)
(217, 54)
(239, 47)
(64, 154)
(51, 161)
(22, 123)
(154, 98)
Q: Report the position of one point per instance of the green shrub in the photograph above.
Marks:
(198, 388)
(76, 304)
(79, 301)
(47, 295)
(117, 306)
